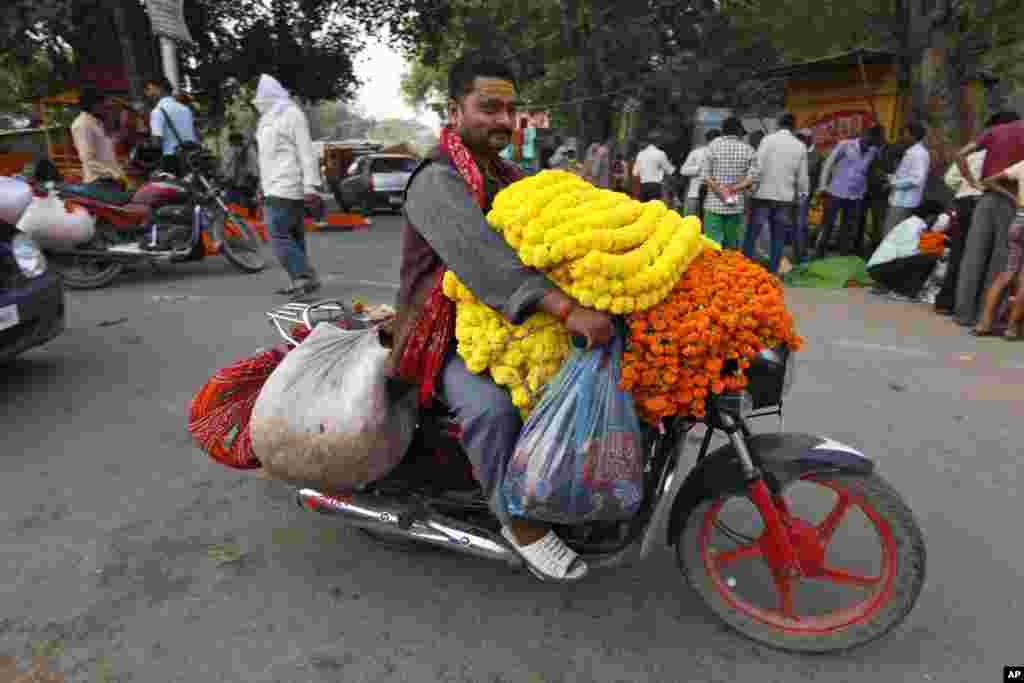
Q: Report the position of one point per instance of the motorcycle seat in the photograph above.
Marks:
(107, 195)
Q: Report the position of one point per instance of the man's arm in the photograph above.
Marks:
(691, 166)
(666, 165)
(826, 170)
(995, 184)
(304, 149)
(965, 169)
(753, 172)
(447, 217)
(803, 179)
(706, 177)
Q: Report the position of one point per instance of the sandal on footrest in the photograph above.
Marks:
(549, 559)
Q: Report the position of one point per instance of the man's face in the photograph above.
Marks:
(151, 91)
(484, 117)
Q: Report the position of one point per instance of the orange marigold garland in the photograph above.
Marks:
(725, 308)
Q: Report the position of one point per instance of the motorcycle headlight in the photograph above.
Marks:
(28, 256)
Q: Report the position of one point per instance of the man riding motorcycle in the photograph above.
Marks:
(446, 202)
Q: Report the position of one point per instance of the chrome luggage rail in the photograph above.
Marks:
(294, 313)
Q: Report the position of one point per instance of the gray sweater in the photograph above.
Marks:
(441, 209)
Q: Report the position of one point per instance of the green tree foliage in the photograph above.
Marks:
(584, 60)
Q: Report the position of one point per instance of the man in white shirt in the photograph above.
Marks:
(691, 169)
(782, 160)
(651, 166)
(907, 183)
(170, 121)
(289, 176)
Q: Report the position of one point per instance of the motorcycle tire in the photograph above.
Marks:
(900, 579)
(245, 252)
(86, 273)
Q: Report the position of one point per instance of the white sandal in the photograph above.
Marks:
(549, 559)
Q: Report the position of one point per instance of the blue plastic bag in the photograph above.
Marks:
(579, 456)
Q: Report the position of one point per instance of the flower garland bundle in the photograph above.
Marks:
(605, 250)
(725, 308)
(521, 358)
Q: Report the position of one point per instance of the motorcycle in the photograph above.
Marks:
(166, 220)
(742, 522)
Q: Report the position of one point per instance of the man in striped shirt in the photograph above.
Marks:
(729, 170)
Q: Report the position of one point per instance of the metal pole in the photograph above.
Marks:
(169, 53)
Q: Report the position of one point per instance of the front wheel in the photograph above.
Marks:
(861, 555)
(239, 242)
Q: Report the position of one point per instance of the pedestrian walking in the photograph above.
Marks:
(843, 184)
(691, 170)
(601, 167)
(651, 166)
(729, 170)
(782, 161)
(288, 175)
(170, 121)
(986, 248)
(964, 200)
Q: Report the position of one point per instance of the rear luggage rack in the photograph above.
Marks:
(296, 313)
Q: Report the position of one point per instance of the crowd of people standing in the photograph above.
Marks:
(747, 185)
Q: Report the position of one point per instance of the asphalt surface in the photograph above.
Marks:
(127, 555)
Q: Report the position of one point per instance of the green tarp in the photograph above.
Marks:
(829, 273)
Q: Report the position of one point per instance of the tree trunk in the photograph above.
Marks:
(568, 15)
(126, 36)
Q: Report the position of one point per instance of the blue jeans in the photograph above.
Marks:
(850, 235)
(288, 235)
(490, 427)
(777, 217)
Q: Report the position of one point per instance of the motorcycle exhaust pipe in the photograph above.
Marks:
(385, 516)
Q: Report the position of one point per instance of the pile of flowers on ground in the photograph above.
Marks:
(725, 308)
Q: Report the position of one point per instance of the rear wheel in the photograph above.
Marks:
(86, 272)
(840, 600)
(239, 241)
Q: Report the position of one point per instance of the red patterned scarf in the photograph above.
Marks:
(425, 353)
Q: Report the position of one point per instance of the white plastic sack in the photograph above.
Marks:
(324, 419)
(48, 222)
(15, 196)
(902, 242)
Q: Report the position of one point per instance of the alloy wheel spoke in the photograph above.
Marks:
(828, 527)
(744, 552)
(844, 577)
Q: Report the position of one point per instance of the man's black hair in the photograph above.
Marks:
(733, 126)
(917, 130)
(470, 67)
(1002, 118)
(787, 120)
(161, 83)
(712, 134)
(88, 98)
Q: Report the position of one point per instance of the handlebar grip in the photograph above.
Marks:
(579, 341)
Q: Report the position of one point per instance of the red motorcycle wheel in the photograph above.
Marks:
(881, 597)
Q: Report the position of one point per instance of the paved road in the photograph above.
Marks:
(128, 556)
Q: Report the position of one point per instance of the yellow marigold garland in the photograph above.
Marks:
(521, 358)
(724, 308)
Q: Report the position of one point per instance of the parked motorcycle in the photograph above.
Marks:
(752, 535)
(167, 220)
